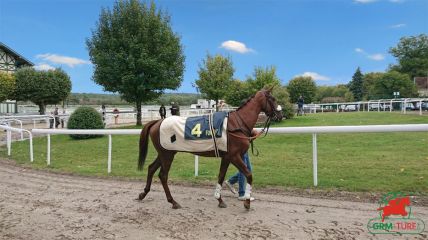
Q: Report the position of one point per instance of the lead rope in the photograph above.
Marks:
(210, 123)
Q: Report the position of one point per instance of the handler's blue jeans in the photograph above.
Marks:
(240, 177)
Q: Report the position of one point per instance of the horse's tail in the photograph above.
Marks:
(144, 142)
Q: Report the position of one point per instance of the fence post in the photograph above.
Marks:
(31, 147)
(9, 141)
(315, 158)
(109, 155)
(49, 150)
(196, 165)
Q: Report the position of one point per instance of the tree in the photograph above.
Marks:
(356, 85)
(42, 87)
(283, 98)
(412, 56)
(238, 92)
(135, 52)
(369, 80)
(263, 77)
(7, 86)
(304, 86)
(215, 77)
(338, 93)
(391, 82)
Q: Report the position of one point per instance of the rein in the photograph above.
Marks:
(265, 130)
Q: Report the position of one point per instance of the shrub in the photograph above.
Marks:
(85, 118)
(283, 98)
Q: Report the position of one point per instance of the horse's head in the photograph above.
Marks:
(270, 107)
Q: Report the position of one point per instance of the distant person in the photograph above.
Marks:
(300, 103)
(63, 118)
(162, 111)
(54, 119)
(103, 113)
(175, 109)
(221, 105)
(116, 115)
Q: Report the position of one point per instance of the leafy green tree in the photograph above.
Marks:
(412, 55)
(135, 52)
(391, 82)
(238, 92)
(7, 86)
(338, 93)
(283, 98)
(369, 80)
(263, 77)
(304, 86)
(42, 87)
(356, 85)
(215, 77)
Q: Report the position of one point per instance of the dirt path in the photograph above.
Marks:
(40, 205)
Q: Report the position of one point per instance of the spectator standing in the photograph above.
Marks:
(300, 103)
(175, 109)
(116, 115)
(162, 111)
(56, 115)
(103, 113)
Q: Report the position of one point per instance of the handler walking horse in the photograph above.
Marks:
(239, 128)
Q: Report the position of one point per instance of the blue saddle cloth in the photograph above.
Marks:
(197, 128)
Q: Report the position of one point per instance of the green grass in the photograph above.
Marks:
(355, 162)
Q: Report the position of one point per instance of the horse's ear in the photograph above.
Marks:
(269, 89)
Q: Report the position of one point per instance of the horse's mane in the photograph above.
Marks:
(246, 101)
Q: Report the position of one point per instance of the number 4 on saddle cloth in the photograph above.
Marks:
(193, 134)
(198, 128)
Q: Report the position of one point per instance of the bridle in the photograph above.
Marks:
(274, 112)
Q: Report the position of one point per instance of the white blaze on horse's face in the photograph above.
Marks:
(279, 108)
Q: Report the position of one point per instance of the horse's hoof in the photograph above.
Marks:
(142, 196)
(222, 205)
(176, 206)
(247, 204)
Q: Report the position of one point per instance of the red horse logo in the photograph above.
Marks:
(395, 206)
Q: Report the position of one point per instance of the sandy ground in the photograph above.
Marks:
(42, 205)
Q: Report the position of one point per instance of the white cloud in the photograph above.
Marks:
(364, 1)
(359, 50)
(58, 59)
(44, 67)
(400, 25)
(376, 57)
(314, 76)
(396, 1)
(236, 46)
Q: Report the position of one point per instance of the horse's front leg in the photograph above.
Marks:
(223, 169)
(248, 188)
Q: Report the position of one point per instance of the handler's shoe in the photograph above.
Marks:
(230, 186)
(242, 198)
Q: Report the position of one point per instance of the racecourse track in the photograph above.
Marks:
(42, 205)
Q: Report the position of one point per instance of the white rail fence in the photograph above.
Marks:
(9, 131)
(278, 130)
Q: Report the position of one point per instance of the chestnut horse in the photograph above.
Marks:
(239, 130)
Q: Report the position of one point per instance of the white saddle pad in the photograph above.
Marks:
(172, 137)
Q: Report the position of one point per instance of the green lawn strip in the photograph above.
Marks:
(353, 162)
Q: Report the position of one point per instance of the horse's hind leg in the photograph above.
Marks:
(217, 194)
(166, 162)
(151, 171)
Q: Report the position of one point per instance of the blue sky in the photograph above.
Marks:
(327, 39)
